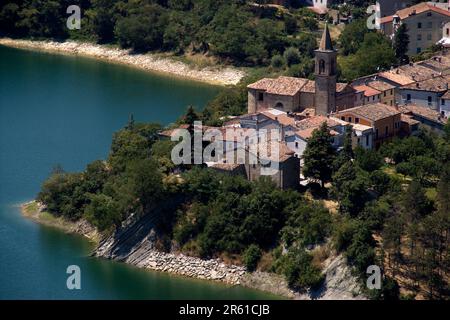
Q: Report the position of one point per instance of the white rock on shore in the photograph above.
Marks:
(149, 62)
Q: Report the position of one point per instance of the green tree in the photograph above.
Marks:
(401, 44)
(252, 256)
(350, 186)
(292, 56)
(319, 155)
(102, 212)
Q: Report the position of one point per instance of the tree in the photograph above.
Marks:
(353, 36)
(291, 56)
(319, 156)
(350, 186)
(368, 160)
(252, 256)
(375, 54)
(142, 31)
(401, 44)
(300, 273)
(191, 116)
(102, 212)
(447, 131)
(277, 61)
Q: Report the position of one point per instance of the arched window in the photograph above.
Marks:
(279, 106)
(321, 66)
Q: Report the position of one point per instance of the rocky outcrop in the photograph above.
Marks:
(149, 62)
(339, 283)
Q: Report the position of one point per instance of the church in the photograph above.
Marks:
(290, 94)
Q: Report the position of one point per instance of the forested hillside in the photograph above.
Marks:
(229, 29)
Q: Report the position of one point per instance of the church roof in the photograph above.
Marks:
(325, 43)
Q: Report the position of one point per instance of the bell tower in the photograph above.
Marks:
(326, 74)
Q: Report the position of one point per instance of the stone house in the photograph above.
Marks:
(428, 93)
(280, 165)
(425, 22)
(428, 118)
(383, 119)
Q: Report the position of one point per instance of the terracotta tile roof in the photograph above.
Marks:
(440, 63)
(408, 74)
(380, 85)
(368, 91)
(386, 19)
(409, 120)
(420, 8)
(415, 10)
(446, 95)
(287, 86)
(170, 132)
(341, 86)
(310, 87)
(307, 133)
(373, 112)
(315, 122)
(423, 112)
(437, 84)
(284, 119)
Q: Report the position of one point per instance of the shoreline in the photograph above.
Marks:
(221, 76)
(339, 283)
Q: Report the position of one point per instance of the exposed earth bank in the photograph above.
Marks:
(148, 61)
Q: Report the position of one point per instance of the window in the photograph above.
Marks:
(447, 31)
(356, 120)
(419, 37)
(386, 131)
(430, 99)
(429, 14)
(260, 96)
(384, 94)
(419, 25)
(279, 106)
(350, 119)
(419, 50)
(443, 102)
(429, 37)
(408, 97)
(321, 66)
(296, 144)
(367, 140)
(343, 118)
(392, 92)
(376, 134)
(373, 98)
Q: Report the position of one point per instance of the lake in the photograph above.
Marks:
(63, 110)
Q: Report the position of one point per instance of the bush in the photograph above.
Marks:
(292, 56)
(299, 271)
(277, 61)
(252, 256)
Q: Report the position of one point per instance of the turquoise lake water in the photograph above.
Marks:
(64, 110)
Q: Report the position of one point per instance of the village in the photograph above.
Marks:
(377, 107)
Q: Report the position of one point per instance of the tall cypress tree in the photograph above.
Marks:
(401, 44)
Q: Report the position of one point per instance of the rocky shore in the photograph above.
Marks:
(135, 244)
(148, 62)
